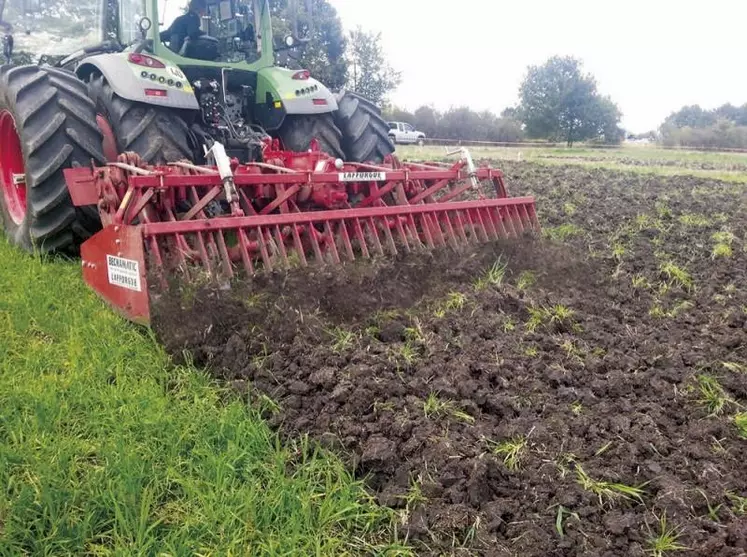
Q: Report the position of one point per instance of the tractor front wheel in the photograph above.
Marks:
(47, 124)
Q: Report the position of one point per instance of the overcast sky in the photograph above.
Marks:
(650, 56)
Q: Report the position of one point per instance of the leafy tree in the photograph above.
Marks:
(692, 116)
(426, 120)
(324, 54)
(395, 114)
(558, 102)
(369, 73)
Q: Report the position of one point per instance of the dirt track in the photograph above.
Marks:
(417, 374)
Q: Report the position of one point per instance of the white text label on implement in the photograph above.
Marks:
(362, 176)
(123, 272)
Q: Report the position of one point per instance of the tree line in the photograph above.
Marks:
(558, 102)
(724, 127)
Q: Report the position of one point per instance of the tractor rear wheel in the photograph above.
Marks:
(158, 134)
(298, 130)
(365, 134)
(47, 124)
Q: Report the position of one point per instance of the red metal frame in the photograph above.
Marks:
(293, 207)
(12, 177)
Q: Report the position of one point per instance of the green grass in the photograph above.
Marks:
(106, 448)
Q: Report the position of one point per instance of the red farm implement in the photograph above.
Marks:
(294, 208)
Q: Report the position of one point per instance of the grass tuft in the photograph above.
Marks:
(740, 420)
(512, 450)
(608, 491)
(664, 540)
(435, 407)
(562, 232)
(493, 276)
(713, 396)
(342, 339)
(676, 275)
(526, 280)
(738, 504)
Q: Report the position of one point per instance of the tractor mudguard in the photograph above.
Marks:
(142, 78)
(281, 91)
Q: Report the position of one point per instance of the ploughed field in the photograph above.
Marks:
(578, 393)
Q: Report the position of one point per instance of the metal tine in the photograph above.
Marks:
(200, 238)
(203, 252)
(263, 248)
(389, 238)
(518, 225)
(460, 228)
(244, 247)
(489, 223)
(343, 227)
(426, 225)
(439, 233)
(181, 244)
(526, 216)
(281, 245)
(508, 221)
(375, 233)
(155, 250)
(412, 229)
(450, 231)
(331, 242)
(361, 237)
(477, 225)
(533, 216)
(402, 236)
(495, 218)
(299, 245)
(227, 267)
(315, 242)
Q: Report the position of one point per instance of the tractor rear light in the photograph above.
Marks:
(320, 102)
(144, 60)
(156, 93)
(302, 75)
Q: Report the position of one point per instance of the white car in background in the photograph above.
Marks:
(402, 132)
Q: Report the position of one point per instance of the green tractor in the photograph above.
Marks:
(87, 80)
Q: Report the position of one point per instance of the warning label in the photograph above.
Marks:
(362, 176)
(123, 272)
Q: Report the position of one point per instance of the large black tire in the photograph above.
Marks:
(158, 134)
(365, 134)
(55, 128)
(298, 130)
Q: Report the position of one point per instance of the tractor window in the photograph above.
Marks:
(130, 14)
(53, 28)
(226, 31)
(169, 10)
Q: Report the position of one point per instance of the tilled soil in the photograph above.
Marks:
(490, 413)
